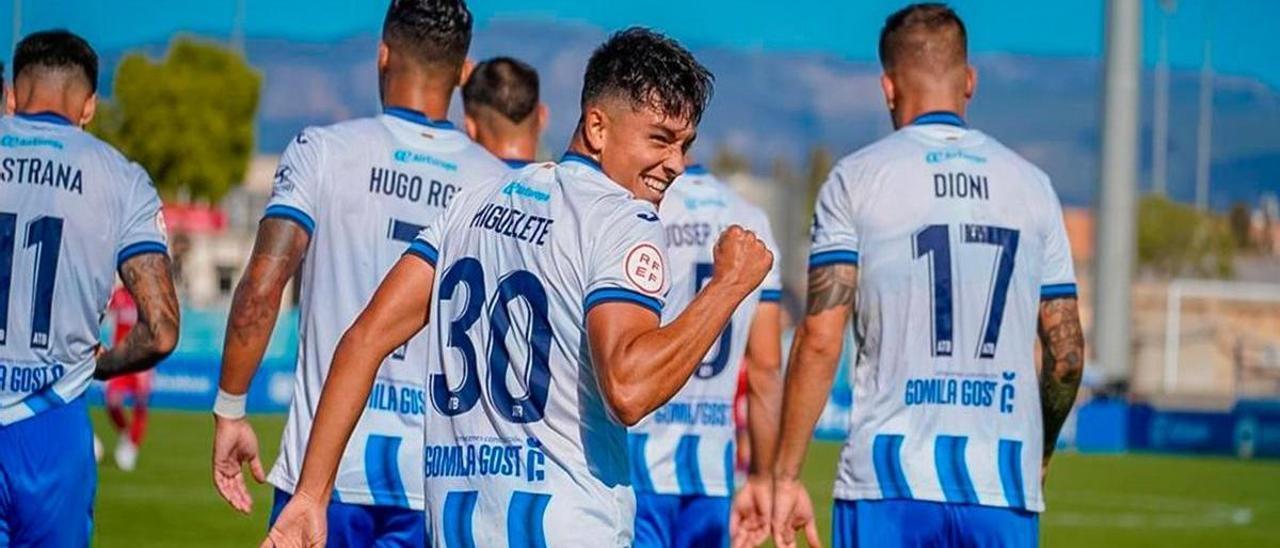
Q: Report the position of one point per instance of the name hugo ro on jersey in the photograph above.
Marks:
(406, 186)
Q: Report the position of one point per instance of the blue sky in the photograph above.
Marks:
(847, 28)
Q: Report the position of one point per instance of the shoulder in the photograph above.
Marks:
(124, 170)
(483, 164)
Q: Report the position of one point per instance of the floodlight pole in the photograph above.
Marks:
(1117, 202)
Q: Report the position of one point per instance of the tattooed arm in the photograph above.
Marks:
(276, 255)
(815, 355)
(149, 279)
(1062, 342)
(278, 251)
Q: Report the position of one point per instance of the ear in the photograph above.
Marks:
(10, 102)
(544, 114)
(595, 128)
(90, 109)
(468, 66)
(890, 92)
(469, 124)
(384, 56)
(970, 81)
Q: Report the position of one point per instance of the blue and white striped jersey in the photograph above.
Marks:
(957, 239)
(521, 447)
(687, 446)
(72, 209)
(364, 189)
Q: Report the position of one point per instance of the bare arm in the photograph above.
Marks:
(149, 279)
(398, 310)
(764, 386)
(281, 244)
(1062, 342)
(815, 354)
(641, 365)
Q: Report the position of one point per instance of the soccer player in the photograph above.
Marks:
(545, 341)
(502, 111)
(129, 430)
(73, 213)
(682, 456)
(950, 252)
(349, 198)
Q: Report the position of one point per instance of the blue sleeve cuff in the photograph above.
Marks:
(770, 295)
(837, 256)
(281, 211)
(1055, 291)
(141, 248)
(618, 294)
(424, 251)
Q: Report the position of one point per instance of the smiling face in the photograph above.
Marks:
(638, 147)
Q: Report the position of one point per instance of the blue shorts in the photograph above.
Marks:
(925, 523)
(48, 478)
(360, 525)
(676, 521)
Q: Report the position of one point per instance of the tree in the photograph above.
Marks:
(1176, 240)
(1241, 225)
(188, 119)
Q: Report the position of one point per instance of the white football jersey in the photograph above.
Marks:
(364, 189)
(687, 446)
(72, 210)
(957, 239)
(521, 447)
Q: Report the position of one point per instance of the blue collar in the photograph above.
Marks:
(516, 164)
(695, 169)
(410, 115)
(575, 157)
(46, 116)
(939, 117)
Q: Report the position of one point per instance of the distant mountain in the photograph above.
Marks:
(770, 105)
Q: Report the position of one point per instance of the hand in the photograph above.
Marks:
(301, 524)
(234, 443)
(752, 512)
(741, 259)
(792, 510)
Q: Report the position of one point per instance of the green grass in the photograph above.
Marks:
(1125, 500)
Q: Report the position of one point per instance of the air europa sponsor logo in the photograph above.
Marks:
(410, 157)
(518, 188)
(16, 141)
(940, 156)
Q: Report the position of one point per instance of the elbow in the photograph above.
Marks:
(164, 340)
(627, 402)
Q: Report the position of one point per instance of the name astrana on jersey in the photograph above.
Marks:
(644, 268)
(35, 171)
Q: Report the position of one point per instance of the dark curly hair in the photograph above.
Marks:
(56, 50)
(650, 69)
(506, 85)
(436, 33)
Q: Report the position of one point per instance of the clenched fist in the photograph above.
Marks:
(741, 260)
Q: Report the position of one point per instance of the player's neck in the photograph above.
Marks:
(36, 104)
(509, 148)
(906, 112)
(410, 93)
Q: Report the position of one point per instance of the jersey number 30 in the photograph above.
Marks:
(45, 235)
(934, 242)
(468, 273)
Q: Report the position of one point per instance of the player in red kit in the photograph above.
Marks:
(125, 314)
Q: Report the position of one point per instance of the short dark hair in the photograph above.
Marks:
(56, 50)
(508, 86)
(647, 68)
(907, 33)
(435, 33)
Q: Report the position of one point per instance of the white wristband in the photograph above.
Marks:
(229, 406)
